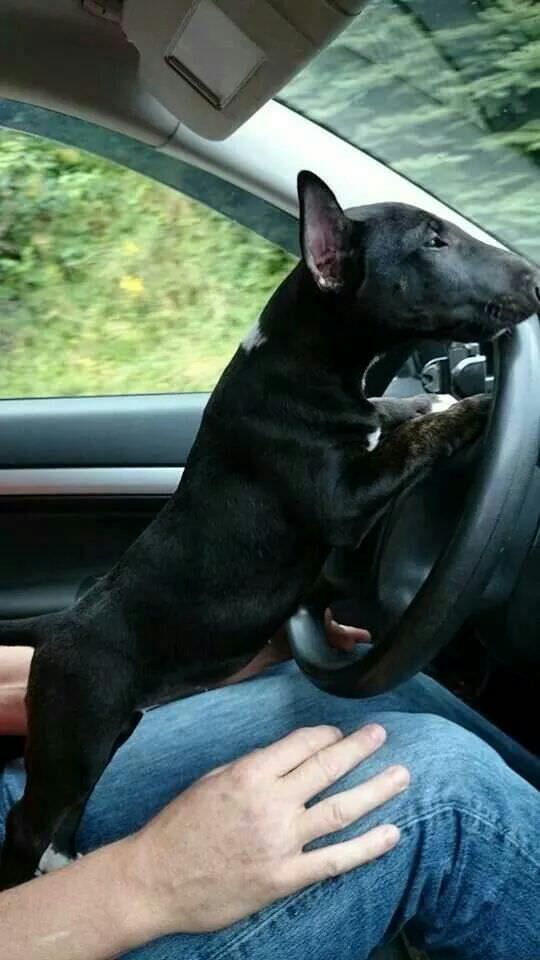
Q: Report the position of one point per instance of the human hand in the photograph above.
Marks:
(339, 636)
(233, 842)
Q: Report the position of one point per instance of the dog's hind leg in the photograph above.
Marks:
(84, 711)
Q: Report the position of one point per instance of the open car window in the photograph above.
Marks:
(112, 283)
(447, 94)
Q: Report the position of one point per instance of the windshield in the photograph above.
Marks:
(447, 92)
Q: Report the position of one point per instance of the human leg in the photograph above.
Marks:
(467, 824)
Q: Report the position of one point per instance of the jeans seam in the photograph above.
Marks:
(253, 930)
(473, 815)
(314, 889)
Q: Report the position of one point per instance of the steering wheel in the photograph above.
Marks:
(482, 536)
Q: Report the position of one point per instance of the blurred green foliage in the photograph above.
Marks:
(112, 283)
(448, 93)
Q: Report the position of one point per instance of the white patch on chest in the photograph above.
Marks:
(51, 860)
(373, 438)
(442, 402)
(255, 338)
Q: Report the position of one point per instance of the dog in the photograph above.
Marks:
(291, 460)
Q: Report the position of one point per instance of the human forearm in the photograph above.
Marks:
(87, 911)
(14, 667)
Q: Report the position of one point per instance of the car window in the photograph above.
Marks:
(111, 283)
(446, 93)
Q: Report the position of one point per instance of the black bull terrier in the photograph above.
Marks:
(291, 460)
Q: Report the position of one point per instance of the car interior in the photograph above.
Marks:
(213, 101)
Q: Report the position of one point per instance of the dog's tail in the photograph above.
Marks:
(21, 633)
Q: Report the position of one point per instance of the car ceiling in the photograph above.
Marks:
(203, 65)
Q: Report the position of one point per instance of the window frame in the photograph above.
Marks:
(276, 225)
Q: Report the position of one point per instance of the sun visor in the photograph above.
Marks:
(213, 63)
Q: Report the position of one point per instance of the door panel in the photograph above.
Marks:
(79, 480)
(89, 481)
(53, 547)
(130, 431)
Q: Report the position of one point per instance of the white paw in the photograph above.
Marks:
(52, 860)
(442, 402)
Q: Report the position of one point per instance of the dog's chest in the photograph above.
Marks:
(372, 439)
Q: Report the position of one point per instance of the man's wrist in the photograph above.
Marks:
(140, 910)
(151, 904)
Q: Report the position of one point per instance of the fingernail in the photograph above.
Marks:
(375, 732)
(400, 776)
(391, 835)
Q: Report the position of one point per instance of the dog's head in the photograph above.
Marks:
(407, 273)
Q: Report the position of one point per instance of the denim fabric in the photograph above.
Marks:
(465, 875)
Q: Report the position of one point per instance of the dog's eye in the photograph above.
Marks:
(436, 241)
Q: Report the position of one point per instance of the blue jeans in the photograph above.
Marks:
(465, 876)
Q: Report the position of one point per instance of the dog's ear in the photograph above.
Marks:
(325, 233)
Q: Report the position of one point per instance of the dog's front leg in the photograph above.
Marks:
(367, 482)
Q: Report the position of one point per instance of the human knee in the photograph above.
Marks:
(440, 750)
(448, 766)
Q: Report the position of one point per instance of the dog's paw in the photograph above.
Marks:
(466, 421)
(418, 406)
(395, 410)
(442, 402)
(52, 860)
(425, 403)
